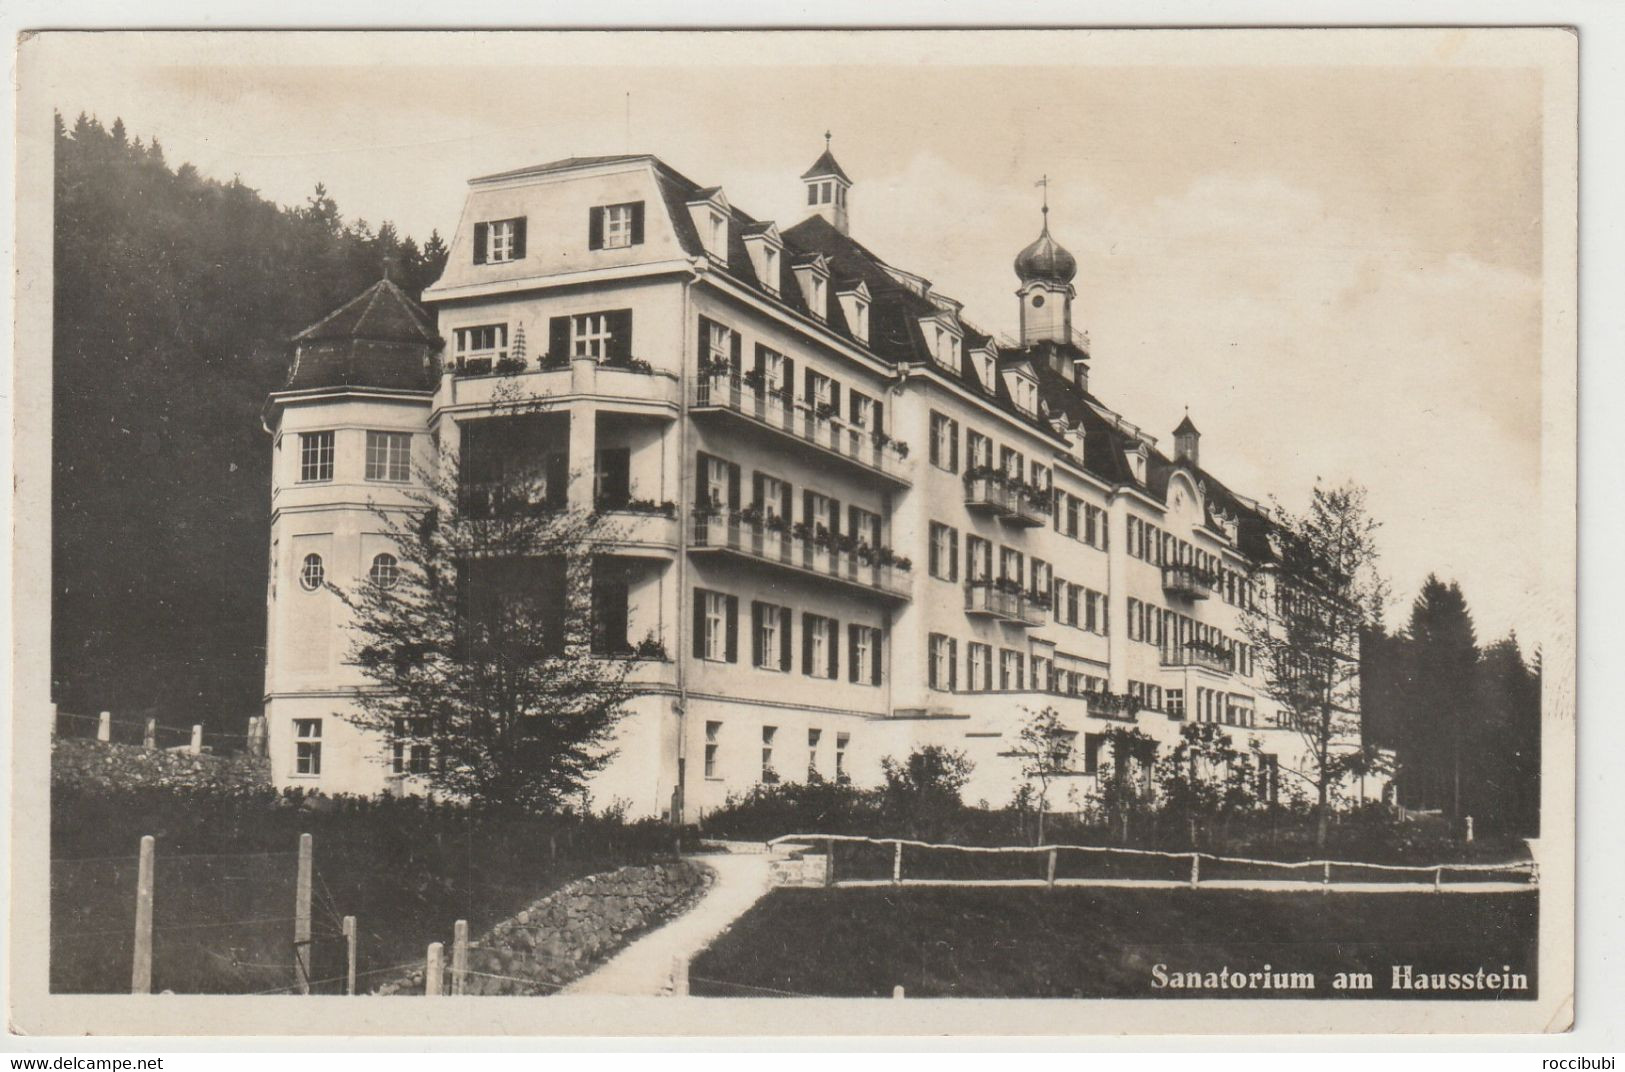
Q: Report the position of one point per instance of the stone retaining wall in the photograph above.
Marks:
(124, 766)
(570, 931)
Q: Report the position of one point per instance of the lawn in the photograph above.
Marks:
(1082, 943)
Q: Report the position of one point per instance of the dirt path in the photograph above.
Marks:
(644, 968)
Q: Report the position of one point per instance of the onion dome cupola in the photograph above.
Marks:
(827, 186)
(381, 338)
(1046, 270)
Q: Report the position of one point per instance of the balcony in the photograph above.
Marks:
(638, 525)
(1113, 705)
(1185, 581)
(632, 385)
(989, 495)
(828, 437)
(1004, 603)
(1201, 656)
(1029, 509)
(734, 536)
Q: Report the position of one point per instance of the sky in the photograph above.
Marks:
(1335, 265)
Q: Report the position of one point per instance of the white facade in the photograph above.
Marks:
(632, 289)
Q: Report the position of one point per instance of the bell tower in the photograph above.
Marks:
(1046, 271)
(827, 187)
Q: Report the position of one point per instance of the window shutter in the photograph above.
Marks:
(732, 613)
(788, 503)
(757, 656)
(735, 346)
(637, 223)
(834, 517)
(481, 231)
(699, 623)
(953, 446)
(701, 501)
(733, 486)
(933, 447)
(789, 382)
(761, 362)
(880, 417)
(835, 397)
(806, 644)
(705, 335)
(807, 510)
(786, 660)
(595, 227)
(876, 653)
(953, 665)
(852, 647)
(519, 239)
(558, 337)
(834, 650)
(933, 563)
(756, 491)
(620, 334)
(953, 554)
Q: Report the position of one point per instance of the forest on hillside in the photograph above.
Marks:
(174, 299)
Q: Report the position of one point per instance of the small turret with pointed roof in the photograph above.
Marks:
(380, 338)
(1187, 442)
(827, 186)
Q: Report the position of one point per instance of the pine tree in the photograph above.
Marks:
(1441, 665)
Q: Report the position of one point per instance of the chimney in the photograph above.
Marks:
(1080, 374)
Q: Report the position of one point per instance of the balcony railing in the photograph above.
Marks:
(1004, 603)
(1204, 656)
(1028, 509)
(831, 436)
(1187, 581)
(728, 532)
(1112, 705)
(987, 494)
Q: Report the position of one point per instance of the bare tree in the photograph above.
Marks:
(1046, 754)
(1320, 588)
(478, 644)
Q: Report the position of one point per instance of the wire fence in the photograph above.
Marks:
(857, 860)
(143, 730)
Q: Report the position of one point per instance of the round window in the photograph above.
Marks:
(312, 573)
(385, 570)
(1038, 301)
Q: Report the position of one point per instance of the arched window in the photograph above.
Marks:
(312, 573)
(385, 570)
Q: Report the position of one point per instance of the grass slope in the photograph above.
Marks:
(1034, 943)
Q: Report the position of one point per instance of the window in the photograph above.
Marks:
(1175, 700)
(1011, 666)
(312, 574)
(498, 241)
(409, 757)
(772, 640)
(944, 443)
(389, 456)
(979, 660)
(864, 526)
(863, 656)
(944, 552)
(315, 456)
(590, 335)
(307, 754)
(978, 559)
(1010, 565)
(712, 730)
(817, 301)
(945, 348)
(820, 656)
(940, 670)
(813, 737)
(820, 391)
(1136, 622)
(862, 411)
(486, 342)
(841, 742)
(1041, 580)
(718, 245)
(615, 226)
(716, 626)
(1013, 464)
(978, 450)
(1041, 674)
(721, 343)
(385, 571)
(769, 733)
(718, 482)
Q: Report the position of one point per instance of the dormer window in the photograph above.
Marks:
(719, 234)
(764, 245)
(984, 363)
(944, 345)
(1137, 461)
(817, 300)
(710, 213)
(1023, 391)
(814, 279)
(770, 268)
(855, 307)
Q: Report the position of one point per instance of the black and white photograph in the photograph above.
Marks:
(649, 532)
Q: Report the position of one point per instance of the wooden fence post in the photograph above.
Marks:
(149, 736)
(197, 739)
(104, 727)
(1438, 877)
(301, 913)
(1326, 876)
(829, 862)
(1469, 828)
(897, 993)
(432, 968)
(350, 955)
(679, 977)
(459, 958)
(55, 721)
(897, 866)
(1196, 869)
(141, 963)
(1049, 870)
